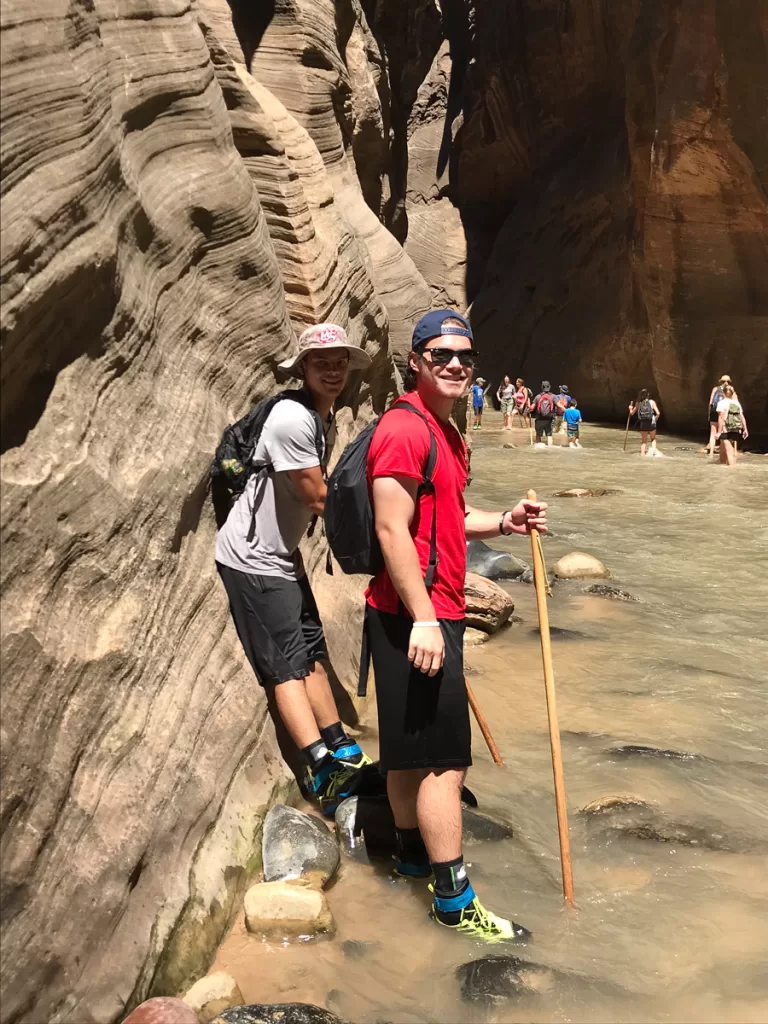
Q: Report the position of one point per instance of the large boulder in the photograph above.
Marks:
(497, 979)
(212, 994)
(283, 910)
(579, 566)
(493, 565)
(295, 844)
(488, 606)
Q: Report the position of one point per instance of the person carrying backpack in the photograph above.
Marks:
(731, 425)
(259, 562)
(544, 409)
(715, 396)
(561, 404)
(415, 616)
(647, 417)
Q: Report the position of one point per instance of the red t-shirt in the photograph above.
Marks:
(400, 447)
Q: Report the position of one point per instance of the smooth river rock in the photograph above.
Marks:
(474, 637)
(297, 845)
(276, 910)
(162, 1010)
(494, 565)
(212, 994)
(612, 593)
(577, 565)
(277, 1013)
(488, 606)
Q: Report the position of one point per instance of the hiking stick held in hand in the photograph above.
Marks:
(539, 576)
(626, 432)
(480, 718)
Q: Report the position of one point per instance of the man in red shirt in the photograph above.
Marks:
(415, 630)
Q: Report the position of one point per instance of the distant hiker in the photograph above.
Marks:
(523, 398)
(506, 396)
(544, 410)
(715, 396)
(260, 565)
(415, 618)
(572, 418)
(561, 404)
(647, 416)
(731, 424)
(478, 399)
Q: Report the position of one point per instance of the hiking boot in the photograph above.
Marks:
(471, 918)
(352, 755)
(330, 783)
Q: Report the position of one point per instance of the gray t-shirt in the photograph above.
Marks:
(288, 442)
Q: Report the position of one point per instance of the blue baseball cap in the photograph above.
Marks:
(431, 326)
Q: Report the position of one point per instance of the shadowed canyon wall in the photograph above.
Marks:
(184, 187)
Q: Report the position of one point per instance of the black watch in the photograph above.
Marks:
(501, 523)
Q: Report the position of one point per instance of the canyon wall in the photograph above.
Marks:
(184, 187)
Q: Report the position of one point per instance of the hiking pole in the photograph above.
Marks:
(479, 717)
(554, 728)
(626, 432)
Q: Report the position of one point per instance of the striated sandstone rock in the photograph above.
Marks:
(212, 994)
(579, 566)
(488, 605)
(277, 910)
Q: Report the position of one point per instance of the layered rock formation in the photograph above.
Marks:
(185, 187)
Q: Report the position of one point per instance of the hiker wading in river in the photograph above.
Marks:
(415, 631)
(731, 425)
(260, 565)
(715, 396)
(647, 417)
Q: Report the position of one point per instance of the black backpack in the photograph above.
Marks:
(233, 464)
(645, 410)
(349, 522)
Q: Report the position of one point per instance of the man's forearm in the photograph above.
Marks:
(404, 568)
(478, 524)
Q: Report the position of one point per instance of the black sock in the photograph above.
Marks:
(315, 754)
(450, 878)
(410, 846)
(335, 736)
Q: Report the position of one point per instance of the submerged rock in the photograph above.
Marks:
(606, 804)
(492, 564)
(474, 637)
(578, 565)
(638, 750)
(587, 492)
(212, 994)
(162, 1010)
(479, 828)
(488, 606)
(614, 593)
(278, 1013)
(297, 845)
(496, 979)
(558, 633)
(281, 910)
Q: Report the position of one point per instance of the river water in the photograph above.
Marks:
(672, 930)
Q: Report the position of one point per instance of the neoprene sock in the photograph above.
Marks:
(335, 736)
(452, 890)
(316, 754)
(411, 853)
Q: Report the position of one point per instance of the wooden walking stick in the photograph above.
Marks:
(626, 432)
(539, 577)
(483, 725)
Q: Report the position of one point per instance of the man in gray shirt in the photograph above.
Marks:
(270, 598)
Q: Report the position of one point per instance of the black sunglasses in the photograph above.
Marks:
(442, 356)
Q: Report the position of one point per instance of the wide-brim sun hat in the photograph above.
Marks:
(326, 338)
(564, 388)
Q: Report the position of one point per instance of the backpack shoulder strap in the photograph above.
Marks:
(427, 485)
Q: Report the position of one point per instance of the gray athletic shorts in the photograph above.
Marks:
(278, 624)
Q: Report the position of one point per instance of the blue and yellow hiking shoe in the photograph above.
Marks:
(466, 914)
(329, 785)
(352, 755)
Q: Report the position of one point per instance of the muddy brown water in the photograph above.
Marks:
(663, 931)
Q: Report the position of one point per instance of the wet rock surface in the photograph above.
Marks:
(488, 605)
(297, 845)
(640, 750)
(493, 980)
(475, 637)
(212, 994)
(612, 593)
(608, 804)
(162, 1010)
(578, 565)
(559, 633)
(278, 910)
(278, 1013)
(587, 492)
(493, 565)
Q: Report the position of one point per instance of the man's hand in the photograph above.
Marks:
(427, 649)
(526, 516)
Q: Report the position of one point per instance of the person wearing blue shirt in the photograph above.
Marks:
(478, 399)
(572, 418)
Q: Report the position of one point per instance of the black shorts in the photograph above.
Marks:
(277, 622)
(544, 427)
(730, 435)
(423, 721)
(646, 426)
(714, 416)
